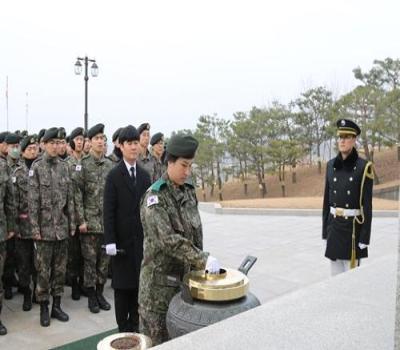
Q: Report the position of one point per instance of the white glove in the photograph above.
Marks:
(111, 249)
(362, 245)
(213, 265)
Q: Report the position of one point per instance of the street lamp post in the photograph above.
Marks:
(94, 72)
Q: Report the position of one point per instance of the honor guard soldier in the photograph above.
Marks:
(24, 239)
(51, 213)
(145, 159)
(89, 192)
(157, 151)
(75, 259)
(347, 208)
(173, 237)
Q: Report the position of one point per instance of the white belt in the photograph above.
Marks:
(345, 212)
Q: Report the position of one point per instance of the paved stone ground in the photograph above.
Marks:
(289, 252)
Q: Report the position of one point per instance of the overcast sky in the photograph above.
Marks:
(168, 62)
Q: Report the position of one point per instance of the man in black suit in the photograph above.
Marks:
(125, 185)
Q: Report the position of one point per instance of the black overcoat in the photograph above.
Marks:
(342, 190)
(122, 223)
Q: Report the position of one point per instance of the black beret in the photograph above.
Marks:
(156, 138)
(128, 133)
(3, 136)
(94, 130)
(41, 134)
(12, 139)
(27, 141)
(346, 126)
(17, 132)
(62, 134)
(50, 134)
(184, 146)
(142, 127)
(116, 134)
(76, 132)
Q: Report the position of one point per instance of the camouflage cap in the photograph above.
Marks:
(94, 130)
(3, 136)
(142, 127)
(116, 134)
(62, 134)
(184, 146)
(27, 141)
(76, 132)
(50, 134)
(41, 134)
(128, 133)
(156, 138)
(12, 139)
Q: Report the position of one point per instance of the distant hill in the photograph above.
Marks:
(309, 182)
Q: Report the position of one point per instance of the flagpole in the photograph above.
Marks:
(7, 101)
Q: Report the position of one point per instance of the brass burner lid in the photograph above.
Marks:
(229, 284)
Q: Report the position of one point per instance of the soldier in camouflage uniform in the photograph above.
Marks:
(157, 150)
(3, 145)
(145, 160)
(173, 238)
(75, 259)
(116, 154)
(7, 223)
(24, 240)
(90, 182)
(51, 213)
(10, 266)
(62, 144)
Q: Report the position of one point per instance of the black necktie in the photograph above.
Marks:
(133, 177)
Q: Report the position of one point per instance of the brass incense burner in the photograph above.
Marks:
(229, 284)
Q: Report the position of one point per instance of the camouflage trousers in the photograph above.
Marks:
(25, 261)
(95, 259)
(2, 261)
(75, 260)
(10, 265)
(153, 325)
(51, 263)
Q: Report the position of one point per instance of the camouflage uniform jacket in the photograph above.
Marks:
(147, 162)
(159, 169)
(75, 166)
(7, 207)
(20, 180)
(173, 241)
(12, 164)
(50, 198)
(114, 158)
(89, 191)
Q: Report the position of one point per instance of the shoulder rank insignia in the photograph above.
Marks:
(157, 185)
(78, 167)
(152, 200)
(30, 173)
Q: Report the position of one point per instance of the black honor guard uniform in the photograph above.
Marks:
(347, 208)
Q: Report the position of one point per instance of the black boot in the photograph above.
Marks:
(76, 291)
(44, 314)
(93, 304)
(27, 304)
(8, 294)
(103, 303)
(3, 330)
(57, 312)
